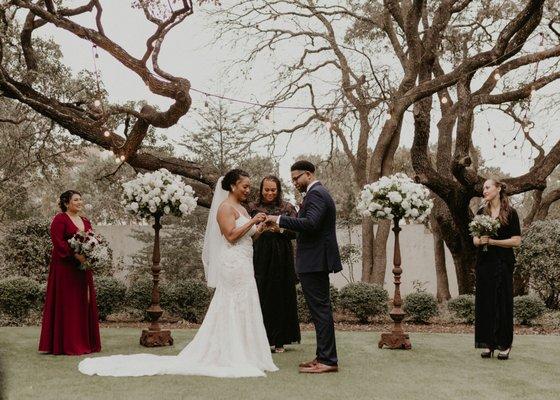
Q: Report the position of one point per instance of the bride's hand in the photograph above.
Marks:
(260, 217)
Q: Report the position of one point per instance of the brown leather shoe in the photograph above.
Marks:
(308, 364)
(318, 368)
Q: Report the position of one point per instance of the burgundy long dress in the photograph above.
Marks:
(70, 319)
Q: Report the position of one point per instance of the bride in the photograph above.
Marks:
(231, 341)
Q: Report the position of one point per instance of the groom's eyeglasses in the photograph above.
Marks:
(295, 178)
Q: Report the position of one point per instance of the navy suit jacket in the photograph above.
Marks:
(317, 247)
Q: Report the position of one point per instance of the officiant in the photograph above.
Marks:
(273, 260)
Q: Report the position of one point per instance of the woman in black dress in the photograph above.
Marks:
(494, 274)
(273, 260)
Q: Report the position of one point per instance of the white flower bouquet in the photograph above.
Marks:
(396, 196)
(159, 192)
(484, 225)
(93, 247)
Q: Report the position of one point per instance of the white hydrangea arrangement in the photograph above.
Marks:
(159, 192)
(395, 196)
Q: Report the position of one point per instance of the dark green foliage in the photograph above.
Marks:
(364, 300)
(420, 306)
(462, 307)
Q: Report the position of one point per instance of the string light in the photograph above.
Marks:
(497, 76)
(122, 157)
(97, 103)
(444, 100)
(328, 125)
(107, 134)
(388, 116)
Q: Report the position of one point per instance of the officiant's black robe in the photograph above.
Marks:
(273, 260)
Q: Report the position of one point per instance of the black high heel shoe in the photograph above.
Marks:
(504, 356)
(487, 354)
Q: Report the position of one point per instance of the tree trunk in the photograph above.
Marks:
(442, 281)
(380, 252)
(367, 248)
(465, 262)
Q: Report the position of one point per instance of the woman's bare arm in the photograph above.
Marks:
(226, 221)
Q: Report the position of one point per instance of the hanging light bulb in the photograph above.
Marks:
(497, 76)
(526, 129)
(106, 133)
(122, 157)
(388, 116)
(444, 100)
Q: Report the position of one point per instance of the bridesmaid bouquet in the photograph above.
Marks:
(395, 196)
(484, 225)
(158, 192)
(94, 247)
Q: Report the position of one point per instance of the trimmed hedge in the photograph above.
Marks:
(18, 296)
(188, 299)
(25, 250)
(420, 306)
(462, 307)
(527, 308)
(111, 294)
(364, 300)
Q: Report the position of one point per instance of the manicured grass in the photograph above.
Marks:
(440, 366)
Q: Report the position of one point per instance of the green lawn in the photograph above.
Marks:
(440, 366)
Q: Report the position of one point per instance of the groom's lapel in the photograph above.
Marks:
(304, 202)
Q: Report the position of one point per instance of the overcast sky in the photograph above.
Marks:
(188, 52)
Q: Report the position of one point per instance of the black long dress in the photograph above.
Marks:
(273, 259)
(494, 290)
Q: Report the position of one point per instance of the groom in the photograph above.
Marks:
(317, 255)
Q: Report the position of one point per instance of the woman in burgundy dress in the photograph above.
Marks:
(70, 320)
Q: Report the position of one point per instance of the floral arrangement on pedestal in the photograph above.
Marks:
(395, 196)
(159, 192)
(155, 194)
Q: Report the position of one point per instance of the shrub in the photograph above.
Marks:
(188, 299)
(539, 257)
(527, 308)
(420, 306)
(26, 249)
(303, 311)
(462, 307)
(139, 294)
(364, 300)
(110, 295)
(18, 296)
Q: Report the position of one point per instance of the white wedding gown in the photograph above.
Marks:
(231, 342)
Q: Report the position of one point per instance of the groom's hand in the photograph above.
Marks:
(272, 219)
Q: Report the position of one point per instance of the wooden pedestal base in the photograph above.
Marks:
(156, 338)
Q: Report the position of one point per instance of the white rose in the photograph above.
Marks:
(153, 209)
(387, 210)
(395, 197)
(166, 209)
(414, 213)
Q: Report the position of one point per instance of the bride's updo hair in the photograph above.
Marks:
(231, 178)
